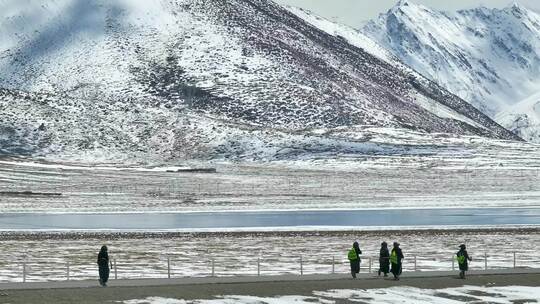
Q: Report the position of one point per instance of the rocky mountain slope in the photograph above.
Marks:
(198, 79)
(490, 57)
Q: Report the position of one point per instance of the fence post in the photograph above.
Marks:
(24, 270)
(301, 266)
(168, 267)
(485, 261)
(213, 269)
(453, 267)
(369, 269)
(514, 259)
(115, 270)
(67, 270)
(414, 263)
(333, 265)
(258, 267)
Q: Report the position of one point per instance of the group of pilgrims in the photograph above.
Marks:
(392, 261)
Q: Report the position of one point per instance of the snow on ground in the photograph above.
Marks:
(404, 295)
(102, 168)
(501, 175)
(144, 255)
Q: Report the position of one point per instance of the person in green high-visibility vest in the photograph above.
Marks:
(463, 259)
(354, 258)
(396, 259)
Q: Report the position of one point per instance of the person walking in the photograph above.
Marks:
(354, 259)
(463, 259)
(103, 264)
(396, 259)
(384, 259)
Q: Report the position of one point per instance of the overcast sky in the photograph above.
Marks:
(355, 12)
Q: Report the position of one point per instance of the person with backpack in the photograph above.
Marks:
(103, 264)
(354, 259)
(384, 259)
(396, 259)
(463, 259)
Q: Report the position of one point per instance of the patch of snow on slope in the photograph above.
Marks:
(444, 111)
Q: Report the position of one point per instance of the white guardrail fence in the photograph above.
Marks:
(41, 269)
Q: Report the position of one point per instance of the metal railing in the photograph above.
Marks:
(255, 267)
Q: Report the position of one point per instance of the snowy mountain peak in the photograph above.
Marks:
(405, 4)
(516, 6)
(517, 10)
(407, 7)
(402, 3)
(489, 57)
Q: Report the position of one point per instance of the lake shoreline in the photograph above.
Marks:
(108, 235)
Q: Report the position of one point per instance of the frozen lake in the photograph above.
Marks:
(272, 219)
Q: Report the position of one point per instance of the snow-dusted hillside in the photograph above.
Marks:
(191, 79)
(490, 57)
(348, 33)
(523, 118)
(369, 45)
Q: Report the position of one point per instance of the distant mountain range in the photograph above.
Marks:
(489, 57)
(190, 79)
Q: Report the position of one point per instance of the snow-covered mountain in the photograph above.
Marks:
(353, 36)
(184, 79)
(490, 57)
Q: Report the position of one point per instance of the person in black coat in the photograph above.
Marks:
(354, 259)
(463, 260)
(396, 259)
(103, 264)
(384, 259)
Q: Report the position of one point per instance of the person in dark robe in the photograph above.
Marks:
(103, 264)
(384, 259)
